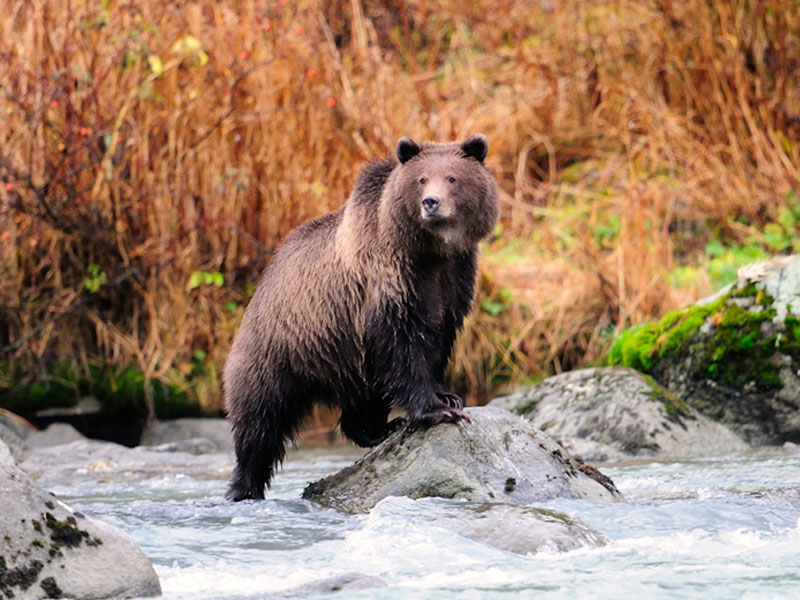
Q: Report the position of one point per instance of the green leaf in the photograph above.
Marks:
(715, 248)
(775, 237)
(190, 47)
(156, 66)
(195, 279)
(491, 307)
(95, 278)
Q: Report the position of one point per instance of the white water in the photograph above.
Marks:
(716, 528)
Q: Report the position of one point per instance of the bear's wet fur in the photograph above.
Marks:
(359, 309)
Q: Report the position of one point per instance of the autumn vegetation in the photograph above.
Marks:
(154, 154)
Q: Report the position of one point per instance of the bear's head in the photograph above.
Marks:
(441, 197)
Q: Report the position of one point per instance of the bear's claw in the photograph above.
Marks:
(451, 400)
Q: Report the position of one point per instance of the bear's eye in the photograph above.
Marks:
(422, 180)
(451, 179)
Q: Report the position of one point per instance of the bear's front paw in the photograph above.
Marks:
(451, 400)
(436, 415)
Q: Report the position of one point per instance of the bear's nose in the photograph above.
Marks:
(430, 204)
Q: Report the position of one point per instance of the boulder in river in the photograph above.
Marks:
(734, 356)
(613, 413)
(497, 457)
(49, 550)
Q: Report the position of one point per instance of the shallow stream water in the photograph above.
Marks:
(708, 528)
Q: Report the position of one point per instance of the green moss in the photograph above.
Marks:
(66, 532)
(736, 351)
(642, 346)
(674, 406)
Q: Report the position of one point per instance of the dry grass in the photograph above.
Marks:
(155, 140)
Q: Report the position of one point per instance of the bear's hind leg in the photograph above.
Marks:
(256, 458)
(261, 428)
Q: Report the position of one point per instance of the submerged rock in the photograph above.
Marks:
(92, 460)
(612, 413)
(735, 356)
(56, 434)
(215, 432)
(49, 550)
(497, 457)
(518, 529)
(331, 585)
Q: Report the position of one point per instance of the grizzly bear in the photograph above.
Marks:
(359, 308)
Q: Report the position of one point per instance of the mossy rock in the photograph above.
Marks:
(735, 356)
(49, 550)
(616, 413)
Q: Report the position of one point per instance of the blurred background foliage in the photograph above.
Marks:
(153, 155)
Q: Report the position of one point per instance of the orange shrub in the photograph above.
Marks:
(153, 155)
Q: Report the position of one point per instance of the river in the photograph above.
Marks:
(725, 527)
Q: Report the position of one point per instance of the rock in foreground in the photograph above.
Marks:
(50, 551)
(498, 457)
(612, 413)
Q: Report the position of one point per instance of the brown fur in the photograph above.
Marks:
(359, 309)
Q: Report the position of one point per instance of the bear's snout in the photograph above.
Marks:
(430, 205)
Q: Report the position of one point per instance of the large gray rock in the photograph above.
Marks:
(735, 356)
(92, 460)
(49, 550)
(497, 457)
(612, 413)
(206, 435)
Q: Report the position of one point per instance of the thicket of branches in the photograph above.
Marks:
(153, 155)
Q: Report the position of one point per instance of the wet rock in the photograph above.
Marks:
(735, 356)
(87, 405)
(337, 583)
(6, 458)
(13, 431)
(613, 413)
(49, 550)
(497, 457)
(16, 424)
(12, 443)
(216, 432)
(55, 434)
(92, 460)
(518, 529)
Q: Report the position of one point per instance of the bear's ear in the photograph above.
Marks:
(476, 146)
(407, 149)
